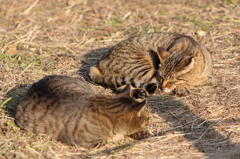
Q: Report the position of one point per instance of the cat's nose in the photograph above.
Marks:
(166, 90)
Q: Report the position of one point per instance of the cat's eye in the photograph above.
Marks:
(172, 82)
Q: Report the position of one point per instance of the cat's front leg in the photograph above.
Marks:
(181, 90)
(135, 92)
(139, 93)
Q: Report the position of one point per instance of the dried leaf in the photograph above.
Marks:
(11, 50)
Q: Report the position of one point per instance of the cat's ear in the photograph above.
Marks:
(125, 92)
(163, 53)
(138, 107)
(186, 65)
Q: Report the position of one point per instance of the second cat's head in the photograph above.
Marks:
(173, 68)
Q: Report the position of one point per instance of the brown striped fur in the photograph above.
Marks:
(170, 61)
(69, 110)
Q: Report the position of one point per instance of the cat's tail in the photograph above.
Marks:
(113, 82)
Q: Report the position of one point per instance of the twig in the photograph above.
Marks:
(173, 114)
(5, 102)
(33, 150)
(67, 48)
(53, 152)
(126, 16)
(202, 123)
(200, 137)
(6, 117)
(25, 69)
(31, 7)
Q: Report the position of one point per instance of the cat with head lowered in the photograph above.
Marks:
(69, 110)
(170, 62)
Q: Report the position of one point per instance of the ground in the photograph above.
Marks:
(39, 38)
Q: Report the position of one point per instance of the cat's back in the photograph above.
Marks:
(50, 100)
(150, 41)
(138, 48)
(58, 85)
(142, 43)
(56, 90)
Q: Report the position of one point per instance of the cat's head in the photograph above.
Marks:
(136, 114)
(173, 67)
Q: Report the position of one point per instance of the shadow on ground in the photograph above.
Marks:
(91, 58)
(197, 130)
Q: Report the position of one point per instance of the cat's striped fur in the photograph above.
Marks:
(163, 59)
(69, 110)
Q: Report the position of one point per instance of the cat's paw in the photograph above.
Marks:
(181, 91)
(142, 134)
(135, 92)
(151, 88)
(139, 93)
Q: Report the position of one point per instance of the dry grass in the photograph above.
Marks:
(39, 38)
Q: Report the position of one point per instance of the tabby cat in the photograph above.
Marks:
(68, 110)
(169, 61)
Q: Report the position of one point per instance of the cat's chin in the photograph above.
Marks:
(167, 90)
